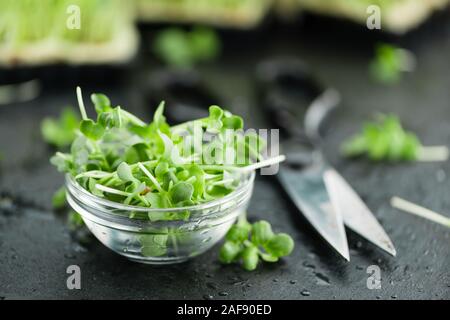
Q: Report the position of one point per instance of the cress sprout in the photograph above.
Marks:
(250, 243)
(179, 48)
(385, 139)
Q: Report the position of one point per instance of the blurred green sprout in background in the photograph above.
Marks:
(183, 49)
(390, 62)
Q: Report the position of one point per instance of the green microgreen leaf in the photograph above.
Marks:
(261, 232)
(59, 198)
(181, 192)
(250, 258)
(60, 132)
(279, 245)
(91, 129)
(229, 252)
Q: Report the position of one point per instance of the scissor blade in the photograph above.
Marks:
(357, 216)
(307, 190)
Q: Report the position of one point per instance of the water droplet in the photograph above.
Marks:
(125, 250)
(394, 296)
(359, 244)
(223, 294)
(208, 297)
(321, 279)
(206, 240)
(69, 256)
(378, 297)
(275, 280)
(293, 281)
(305, 293)
(212, 285)
(208, 275)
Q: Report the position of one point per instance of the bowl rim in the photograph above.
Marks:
(71, 182)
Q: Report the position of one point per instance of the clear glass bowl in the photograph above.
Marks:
(158, 240)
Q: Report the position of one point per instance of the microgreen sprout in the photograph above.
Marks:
(390, 62)
(60, 132)
(385, 139)
(250, 243)
(179, 48)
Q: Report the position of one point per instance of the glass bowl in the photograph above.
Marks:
(171, 235)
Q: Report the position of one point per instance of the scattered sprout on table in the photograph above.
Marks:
(249, 243)
(386, 140)
(420, 211)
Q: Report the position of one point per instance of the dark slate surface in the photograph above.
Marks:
(36, 247)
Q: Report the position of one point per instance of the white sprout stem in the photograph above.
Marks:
(264, 163)
(251, 167)
(111, 190)
(433, 153)
(96, 174)
(63, 155)
(81, 104)
(133, 118)
(417, 210)
(220, 182)
(151, 177)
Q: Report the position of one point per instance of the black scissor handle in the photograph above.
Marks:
(287, 89)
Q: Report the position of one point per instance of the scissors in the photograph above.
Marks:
(299, 105)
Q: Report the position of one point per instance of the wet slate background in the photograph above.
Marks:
(36, 247)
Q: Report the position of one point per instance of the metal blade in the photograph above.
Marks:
(357, 216)
(307, 190)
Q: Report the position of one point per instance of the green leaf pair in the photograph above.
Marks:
(250, 243)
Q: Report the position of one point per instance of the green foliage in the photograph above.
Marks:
(75, 221)
(384, 139)
(59, 198)
(60, 132)
(388, 64)
(248, 243)
(27, 21)
(180, 48)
